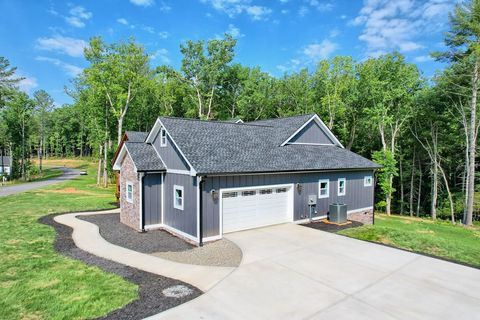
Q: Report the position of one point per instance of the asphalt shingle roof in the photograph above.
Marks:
(224, 147)
(144, 156)
(136, 136)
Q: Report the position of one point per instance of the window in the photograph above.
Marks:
(229, 194)
(323, 188)
(178, 197)
(163, 137)
(281, 190)
(341, 186)
(266, 191)
(129, 192)
(249, 193)
(367, 181)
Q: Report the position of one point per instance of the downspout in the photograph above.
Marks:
(200, 212)
(142, 201)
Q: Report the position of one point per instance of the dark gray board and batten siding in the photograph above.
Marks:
(184, 220)
(152, 198)
(357, 196)
(312, 133)
(170, 154)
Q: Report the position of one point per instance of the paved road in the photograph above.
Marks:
(67, 175)
(293, 272)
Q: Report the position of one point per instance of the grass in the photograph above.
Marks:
(438, 238)
(38, 283)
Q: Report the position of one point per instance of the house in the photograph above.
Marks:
(201, 179)
(5, 165)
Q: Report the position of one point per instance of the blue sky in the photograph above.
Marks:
(45, 39)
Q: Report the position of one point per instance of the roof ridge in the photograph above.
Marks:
(288, 117)
(217, 122)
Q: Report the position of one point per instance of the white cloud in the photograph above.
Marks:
(423, 59)
(165, 7)
(303, 11)
(318, 51)
(258, 12)
(70, 46)
(234, 31)
(78, 16)
(399, 24)
(148, 29)
(143, 3)
(284, 11)
(236, 7)
(123, 21)
(27, 84)
(69, 69)
(321, 6)
(308, 55)
(163, 34)
(162, 55)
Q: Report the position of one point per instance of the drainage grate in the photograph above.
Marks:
(177, 291)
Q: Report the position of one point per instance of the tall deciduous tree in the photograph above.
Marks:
(43, 107)
(18, 115)
(389, 84)
(204, 67)
(463, 39)
(117, 72)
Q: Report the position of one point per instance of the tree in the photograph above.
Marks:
(43, 106)
(7, 81)
(463, 39)
(389, 85)
(117, 72)
(18, 115)
(204, 68)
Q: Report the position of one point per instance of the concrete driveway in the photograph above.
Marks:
(294, 272)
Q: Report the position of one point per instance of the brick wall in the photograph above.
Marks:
(129, 212)
(365, 217)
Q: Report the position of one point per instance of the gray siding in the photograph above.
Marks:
(152, 195)
(312, 133)
(170, 154)
(184, 220)
(357, 196)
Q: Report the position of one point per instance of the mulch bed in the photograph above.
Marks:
(331, 227)
(151, 299)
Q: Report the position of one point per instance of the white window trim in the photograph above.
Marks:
(367, 184)
(175, 188)
(162, 132)
(128, 183)
(320, 195)
(344, 187)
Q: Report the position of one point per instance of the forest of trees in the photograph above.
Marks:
(423, 131)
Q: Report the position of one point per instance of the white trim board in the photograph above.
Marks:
(359, 210)
(322, 125)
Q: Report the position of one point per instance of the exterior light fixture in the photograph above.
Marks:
(299, 188)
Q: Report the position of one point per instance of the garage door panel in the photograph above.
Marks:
(255, 207)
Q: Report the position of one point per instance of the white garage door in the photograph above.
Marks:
(256, 207)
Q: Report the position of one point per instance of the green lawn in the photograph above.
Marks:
(438, 238)
(38, 283)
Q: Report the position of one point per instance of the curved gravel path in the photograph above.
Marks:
(222, 253)
(154, 289)
(68, 174)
